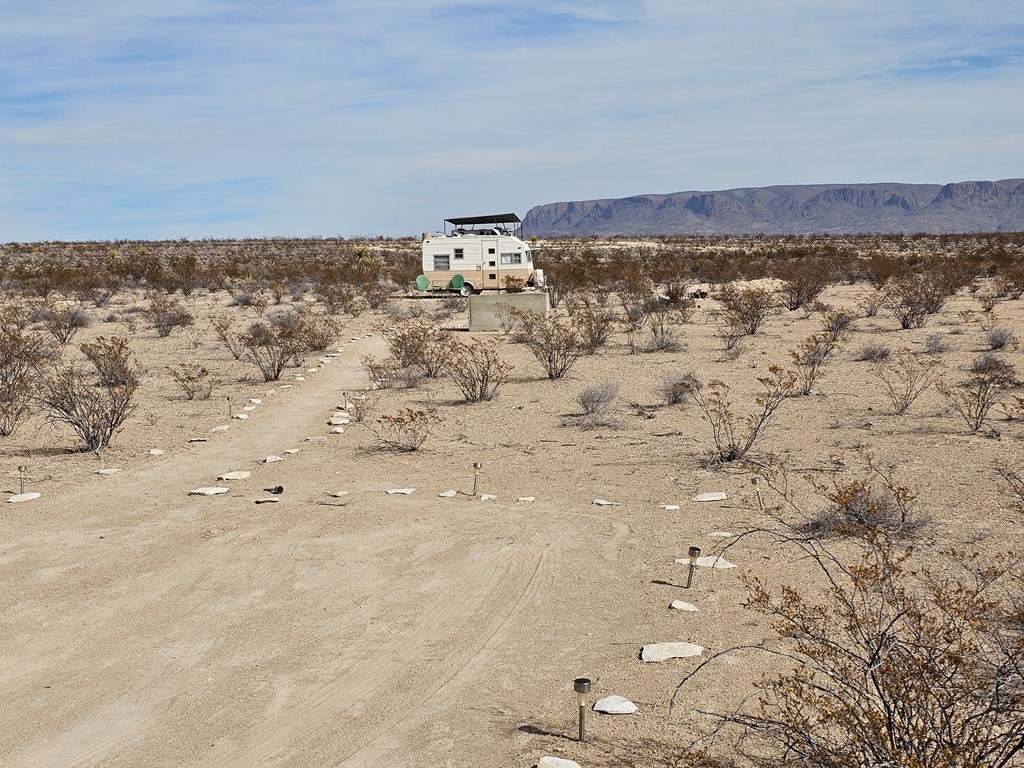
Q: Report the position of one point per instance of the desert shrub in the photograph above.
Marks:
(360, 405)
(907, 377)
(513, 284)
(269, 346)
(596, 398)
(803, 280)
(383, 374)
(808, 358)
(733, 436)
(989, 378)
(166, 314)
(20, 354)
(658, 317)
(320, 331)
(63, 320)
(675, 388)
(477, 370)
(595, 326)
(884, 665)
(874, 504)
(1013, 476)
(340, 297)
(870, 304)
(913, 298)
(836, 323)
(405, 431)
(223, 328)
(94, 412)
(508, 317)
(879, 268)
(113, 361)
(418, 343)
(554, 343)
(195, 381)
(935, 344)
(999, 338)
(746, 309)
(874, 352)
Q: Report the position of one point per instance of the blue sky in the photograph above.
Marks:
(251, 118)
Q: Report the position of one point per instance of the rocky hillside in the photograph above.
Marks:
(969, 206)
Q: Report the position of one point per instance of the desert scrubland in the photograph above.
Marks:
(866, 388)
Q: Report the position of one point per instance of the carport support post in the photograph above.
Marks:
(582, 687)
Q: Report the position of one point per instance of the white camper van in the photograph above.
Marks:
(477, 253)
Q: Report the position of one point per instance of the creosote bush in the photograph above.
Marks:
(990, 378)
(95, 411)
(477, 370)
(874, 352)
(555, 343)
(808, 358)
(732, 435)
(166, 314)
(905, 378)
(20, 355)
(676, 388)
(195, 381)
(404, 431)
(888, 663)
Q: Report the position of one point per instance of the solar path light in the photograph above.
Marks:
(582, 687)
(756, 482)
(477, 465)
(694, 553)
(21, 478)
(230, 414)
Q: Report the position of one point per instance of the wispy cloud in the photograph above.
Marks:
(250, 117)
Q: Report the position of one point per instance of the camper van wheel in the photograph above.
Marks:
(466, 290)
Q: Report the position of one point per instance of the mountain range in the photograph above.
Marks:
(965, 206)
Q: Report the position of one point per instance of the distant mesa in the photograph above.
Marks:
(966, 206)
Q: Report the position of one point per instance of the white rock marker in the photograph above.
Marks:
(221, 428)
(712, 496)
(670, 506)
(556, 762)
(665, 651)
(208, 490)
(255, 401)
(272, 459)
(108, 471)
(711, 561)
(338, 494)
(615, 705)
(487, 497)
(239, 475)
(291, 451)
(248, 408)
(679, 605)
(338, 419)
(240, 416)
(721, 534)
(605, 503)
(337, 430)
(399, 491)
(448, 494)
(19, 497)
(156, 452)
(526, 499)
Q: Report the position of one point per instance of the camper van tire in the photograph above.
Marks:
(466, 290)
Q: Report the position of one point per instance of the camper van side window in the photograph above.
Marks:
(490, 250)
(511, 258)
(441, 263)
(459, 253)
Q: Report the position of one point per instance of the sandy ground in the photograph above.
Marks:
(141, 626)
